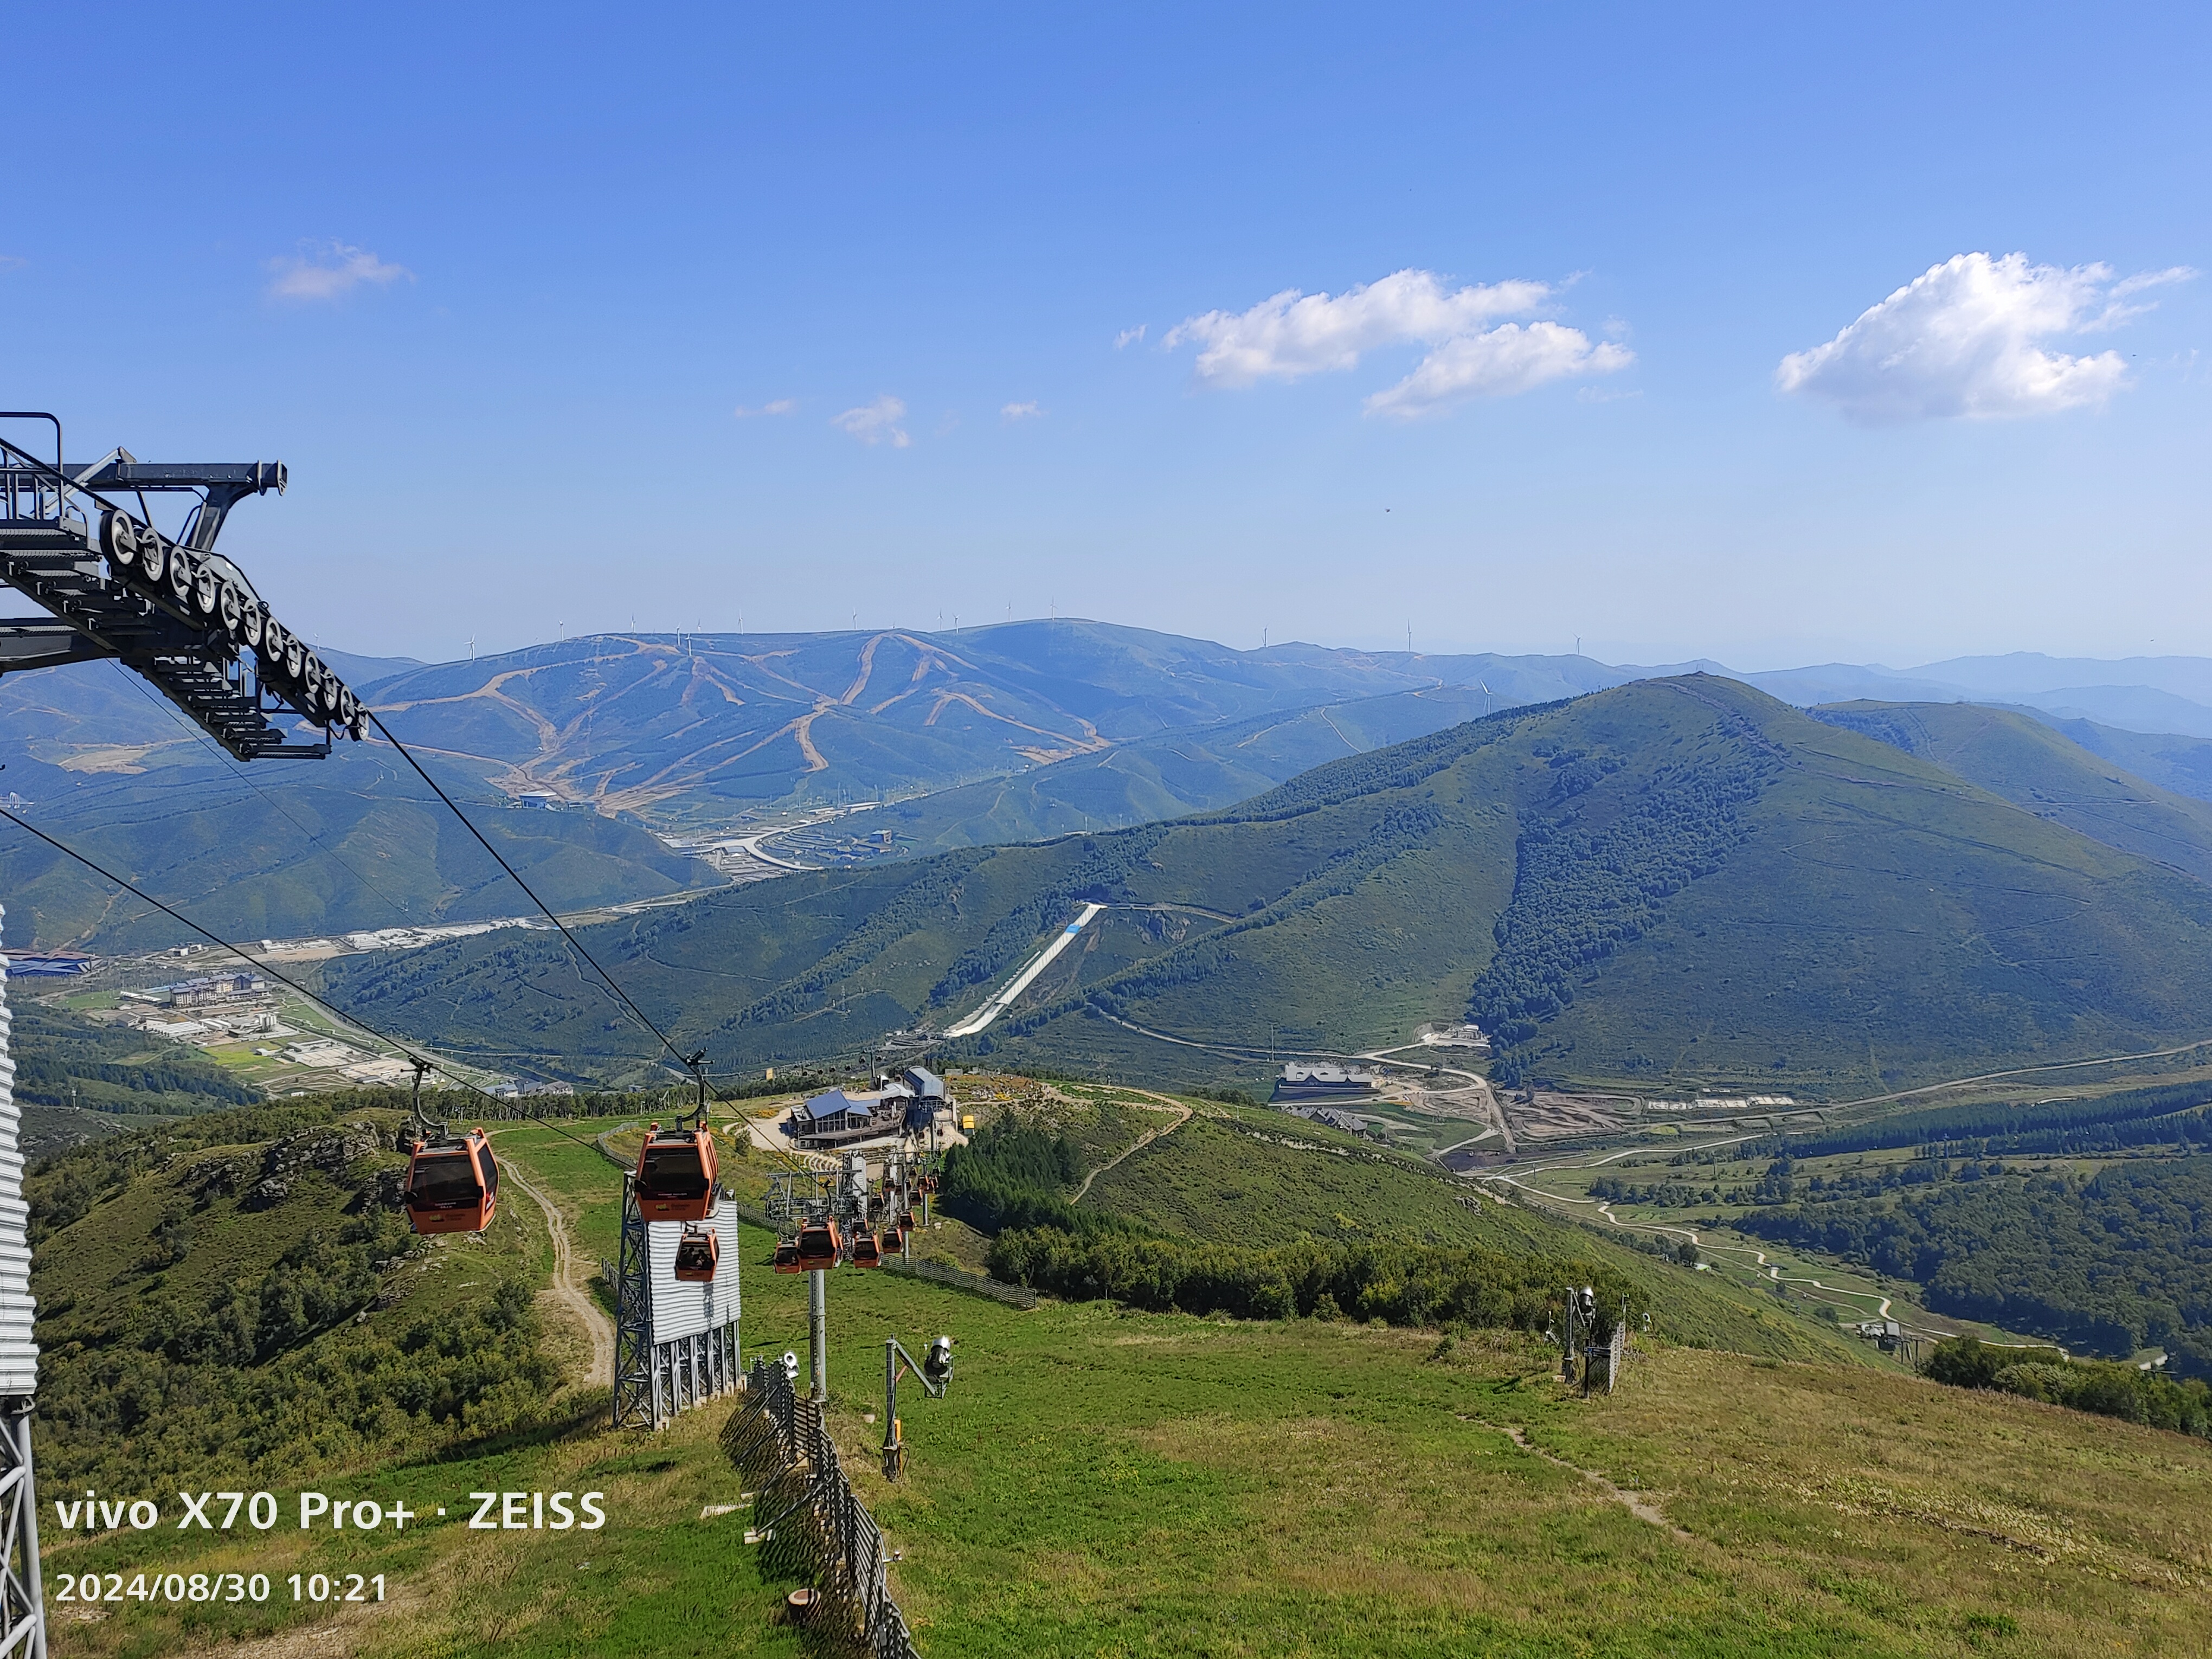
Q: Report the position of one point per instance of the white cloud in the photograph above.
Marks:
(326, 270)
(12, 262)
(1129, 337)
(1021, 412)
(1966, 338)
(1496, 363)
(780, 406)
(876, 422)
(1471, 353)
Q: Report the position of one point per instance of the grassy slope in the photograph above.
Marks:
(1175, 773)
(1859, 918)
(346, 843)
(2181, 764)
(2036, 767)
(1101, 1482)
(117, 1410)
(1260, 1178)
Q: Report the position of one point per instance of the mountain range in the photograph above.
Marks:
(1678, 883)
(987, 737)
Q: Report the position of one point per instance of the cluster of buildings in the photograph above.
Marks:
(218, 1008)
(906, 1103)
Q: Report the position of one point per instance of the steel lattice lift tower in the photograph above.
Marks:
(185, 618)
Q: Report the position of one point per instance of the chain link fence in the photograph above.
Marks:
(807, 1521)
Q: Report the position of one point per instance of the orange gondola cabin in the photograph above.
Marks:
(786, 1256)
(676, 1174)
(865, 1252)
(453, 1184)
(696, 1254)
(819, 1245)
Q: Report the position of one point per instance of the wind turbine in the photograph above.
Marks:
(1485, 695)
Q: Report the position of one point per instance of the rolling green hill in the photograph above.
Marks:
(2181, 764)
(236, 1295)
(2040, 767)
(299, 849)
(1175, 773)
(1672, 884)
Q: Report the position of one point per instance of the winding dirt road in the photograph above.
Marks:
(569, 1288)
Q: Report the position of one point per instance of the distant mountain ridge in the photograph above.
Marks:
(988, 736)
(1672, 884)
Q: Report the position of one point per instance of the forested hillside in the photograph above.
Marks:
(2111, 1264)
(298, 849)
(1672, 884)
(238, 1295)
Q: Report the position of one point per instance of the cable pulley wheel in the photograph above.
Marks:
(348, 706)
(273, 639)
(359, 724)
(153, 558)
(311, 682)
(229, 609)
(119, 540)
(250, 626)
(334, 696)
(182, 578)
(207, 593)
(295, 657)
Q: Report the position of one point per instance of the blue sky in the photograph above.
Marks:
(495, 284)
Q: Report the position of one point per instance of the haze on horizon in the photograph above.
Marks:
(1721, 334)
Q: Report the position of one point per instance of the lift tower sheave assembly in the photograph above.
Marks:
(186, 620)
(168, 607)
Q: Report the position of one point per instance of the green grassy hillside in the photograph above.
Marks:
(2182, 764)
(1177, 773)
(1098, 1480)
(1675, 885)
(235, 1297)
(2038, 767)
(351, 843)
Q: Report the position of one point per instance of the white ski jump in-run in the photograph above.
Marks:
(1020, 982)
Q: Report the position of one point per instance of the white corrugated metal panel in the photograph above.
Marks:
(19, 1354)
(686, 1309)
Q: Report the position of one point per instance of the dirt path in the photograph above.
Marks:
(1634, 1502)
(569, 1286)
(1142, 1141)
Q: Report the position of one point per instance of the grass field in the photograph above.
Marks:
(1100, 1482)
